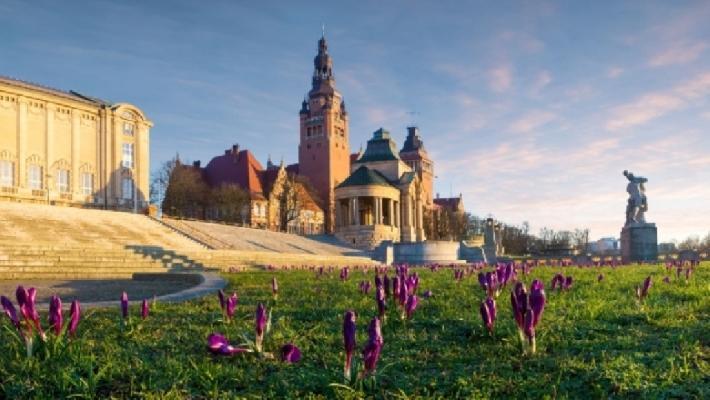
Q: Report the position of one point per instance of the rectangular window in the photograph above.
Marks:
(7, 174)
(34, 177)
(63, 180)
(128, 128)
(127, 189)
(127, 159)
(87, 184)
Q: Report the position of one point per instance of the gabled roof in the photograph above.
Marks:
(380, 148)
(235, 167)
(364, 176)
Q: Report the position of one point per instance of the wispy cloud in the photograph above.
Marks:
(679, 53)
(500, 78)
(531, 121)
(656, 104)
(543, 79)
(614, 72)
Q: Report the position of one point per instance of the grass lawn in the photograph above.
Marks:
(594, 341)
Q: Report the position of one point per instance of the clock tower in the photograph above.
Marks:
(324, 147)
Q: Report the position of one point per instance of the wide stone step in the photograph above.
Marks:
(70, 275)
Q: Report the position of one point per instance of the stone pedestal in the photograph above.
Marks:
(639, 242)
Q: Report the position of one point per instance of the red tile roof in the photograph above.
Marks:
(235, 167)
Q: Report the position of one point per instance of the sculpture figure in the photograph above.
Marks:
(637, 204)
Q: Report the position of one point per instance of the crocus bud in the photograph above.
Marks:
(373, 347)
(537, 300)
(74, 316)
(10, 311)
(222, 301)
(56, 320)
(260, 325)
(124, 305)
(380, 298)
(411, 305)
(348, 341)
(145, 309)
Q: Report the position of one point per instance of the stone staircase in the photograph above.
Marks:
(230, 237)
(38, 261)
(48, 242)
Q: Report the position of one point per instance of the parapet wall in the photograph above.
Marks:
(427, 252)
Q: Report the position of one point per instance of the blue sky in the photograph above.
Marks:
(530, 109)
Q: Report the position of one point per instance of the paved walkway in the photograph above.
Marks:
(106, 293)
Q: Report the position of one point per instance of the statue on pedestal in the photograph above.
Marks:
(637, 204)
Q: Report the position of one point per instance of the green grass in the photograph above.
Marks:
(594, 341)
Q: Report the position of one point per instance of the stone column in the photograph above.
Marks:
(395, 214)
(21, 142)
(356, 210)
(390, 210)
(420, 219)
(378, 210)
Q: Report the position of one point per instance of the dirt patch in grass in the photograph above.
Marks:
(96, 290)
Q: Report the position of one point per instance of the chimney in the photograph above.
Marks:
(235, 148)
(196, 164)
(412, 131)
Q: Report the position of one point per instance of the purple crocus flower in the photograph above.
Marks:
(74, 316)
(290, 353)
(348, 341)
(482, 281)
(529, 327)
(373, 347)
(28, 308)
(260, 325)
(219, 345)
(411, 305)
(567, 283)
(378, 281)
(145, 309)
(403, 290)
(395, 286)
(56, 320)
(519, 303)
(642, 291)
(231, 305)
(557, 281)
(222, 301)
(381, 303)
(488, 313)
(537, 300)
(124, 305)
(10, 311)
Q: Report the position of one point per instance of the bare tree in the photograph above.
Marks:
(227, 202)
(186, 192)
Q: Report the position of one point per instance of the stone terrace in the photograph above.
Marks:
(42, 242)
(229, 237)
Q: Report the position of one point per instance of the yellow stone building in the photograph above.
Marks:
(66, 148)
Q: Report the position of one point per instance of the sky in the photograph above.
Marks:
(530, 109)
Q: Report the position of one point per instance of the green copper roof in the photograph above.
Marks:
(364, 176)
(380, 148)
